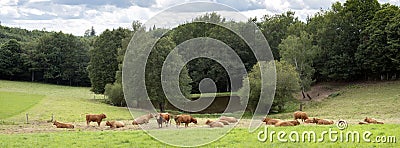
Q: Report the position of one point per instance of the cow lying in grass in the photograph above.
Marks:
(62, 125)
(300, 115)
(372, 121)
(142, 119)
(270, 121)
(311, 120)
(213, 124)
(95, 118)
(115, 124)
(229, 119)
(223, 122)
(323, 121)
(184, 119)
(288, 123)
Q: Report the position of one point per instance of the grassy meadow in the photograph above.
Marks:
(357, 101)
(66, 103)
(238, 137)
(13, 103)
(69, 104)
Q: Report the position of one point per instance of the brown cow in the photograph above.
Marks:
(294, 122)
(300, 115)
(160, 121)
(287, 123)
(284, 123)
(115, 124)
(184, 119)
(324, 122)
(95, 118)
(223, 122)
(62, 125)
(166, 117)
(142, 119)
(229, 119)
(372, 120)
(270, 121)
(311, 120)
(214, 123)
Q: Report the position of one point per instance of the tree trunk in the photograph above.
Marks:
(33, 76)
(387, 76)
(161, 105)
(309, 97)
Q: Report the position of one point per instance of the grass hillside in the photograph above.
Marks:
(69, 104)
(13, 103)
(354, 102)
(65, 102)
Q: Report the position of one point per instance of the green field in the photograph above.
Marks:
(69, 104)
(239, 137)
(355, 102)
(66, 103)
(13, 103)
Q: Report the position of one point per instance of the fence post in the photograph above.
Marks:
(27, 118)
(301, 107)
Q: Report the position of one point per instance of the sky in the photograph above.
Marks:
(76, 16)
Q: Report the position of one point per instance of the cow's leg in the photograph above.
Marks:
(87, 122)
(98, 123)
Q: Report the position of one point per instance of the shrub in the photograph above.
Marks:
(115, 94)
(287, 83)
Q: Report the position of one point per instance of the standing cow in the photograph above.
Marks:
(95, 118)
(184, 119)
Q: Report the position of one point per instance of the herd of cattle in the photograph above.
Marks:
(310, 120)
(166, 118)
(162, 118)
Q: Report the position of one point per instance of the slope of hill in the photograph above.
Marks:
(354, 102)
(379, 100)
(66, 103)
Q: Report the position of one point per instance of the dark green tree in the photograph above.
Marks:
(103, 58)
(153, 72)
(337, 33)
(275, 29)
(300, 52)
(287, 83)
(378, 53)
(62, 58)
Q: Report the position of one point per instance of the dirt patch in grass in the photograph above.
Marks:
(45, 127)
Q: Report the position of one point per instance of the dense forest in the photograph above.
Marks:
(352, 41)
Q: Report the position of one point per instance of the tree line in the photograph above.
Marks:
(351, 41)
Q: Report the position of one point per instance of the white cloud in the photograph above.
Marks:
(77, 16)
(9, 12)
(8, 2)
(277, 6)
(395, 2)
(28, 11)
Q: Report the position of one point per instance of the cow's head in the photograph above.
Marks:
(108, 123)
